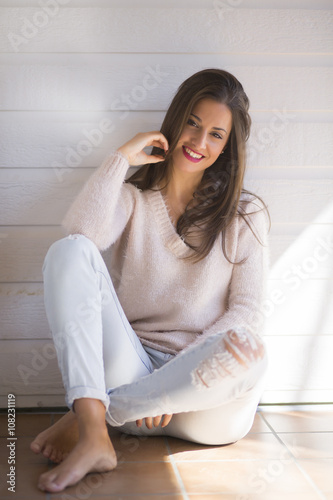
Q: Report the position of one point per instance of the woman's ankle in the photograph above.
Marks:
(90, 414)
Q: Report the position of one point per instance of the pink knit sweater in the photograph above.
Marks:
(170, 302)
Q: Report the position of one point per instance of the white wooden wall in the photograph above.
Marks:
(70, 67)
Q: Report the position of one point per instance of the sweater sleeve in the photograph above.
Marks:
(247, 287)
(103, 207)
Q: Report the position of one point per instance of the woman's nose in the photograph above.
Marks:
(200, 139)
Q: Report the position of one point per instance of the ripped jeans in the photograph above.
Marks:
(212, 389)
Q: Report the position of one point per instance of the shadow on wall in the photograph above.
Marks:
(299, 312)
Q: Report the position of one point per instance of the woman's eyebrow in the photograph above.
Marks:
(215, 128)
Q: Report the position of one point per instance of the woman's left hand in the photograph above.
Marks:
(150, 421)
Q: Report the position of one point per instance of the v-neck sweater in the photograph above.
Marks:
(169, 301)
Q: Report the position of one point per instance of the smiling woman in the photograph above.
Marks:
(202, 189)
(163, 330)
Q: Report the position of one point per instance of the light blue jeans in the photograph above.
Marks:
(212, 395)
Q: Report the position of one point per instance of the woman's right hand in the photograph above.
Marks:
(133, 149)
(165, 419)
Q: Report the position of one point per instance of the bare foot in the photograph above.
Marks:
(57, 441)
(93, 453)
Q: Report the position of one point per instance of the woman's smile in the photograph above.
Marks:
(192, 155)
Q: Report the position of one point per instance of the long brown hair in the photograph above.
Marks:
(216, 201)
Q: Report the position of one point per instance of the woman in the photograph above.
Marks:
(170, 344)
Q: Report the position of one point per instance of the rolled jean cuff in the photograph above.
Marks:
(86, 392)
(111, 421)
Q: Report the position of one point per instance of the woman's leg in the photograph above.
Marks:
(96, 349)
(217, 426)
(222, 425)
(213, 388)
(93, 452)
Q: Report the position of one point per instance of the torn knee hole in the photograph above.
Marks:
(244, 346)
(236, 352)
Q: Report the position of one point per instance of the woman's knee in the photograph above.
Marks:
(235, 355)
(68, 251)
(246, 348)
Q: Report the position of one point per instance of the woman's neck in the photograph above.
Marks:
(178, 193)
(181, 187)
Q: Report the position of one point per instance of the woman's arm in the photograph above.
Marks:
(248, 282)
(103, 207)
(96, 212)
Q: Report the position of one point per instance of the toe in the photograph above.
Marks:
(46, 480)
(59, 457)
(57, 480)
(63, 456)
(35, 447)
(53, 456)
(47, 451)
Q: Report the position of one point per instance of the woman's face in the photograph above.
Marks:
(204, 137)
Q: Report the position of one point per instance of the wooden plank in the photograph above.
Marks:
(23, 252)
(29, 367)
(110, 82)
(22, 312)
(294, 201)
(42, 401)
(183, 4)
(50, 139)
(36, 191)
(38, 197)
(120, 30)
(290, 146)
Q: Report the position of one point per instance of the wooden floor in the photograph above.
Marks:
(287, 455)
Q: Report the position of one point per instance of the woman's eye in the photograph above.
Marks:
(191, 122)
(218, 136)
